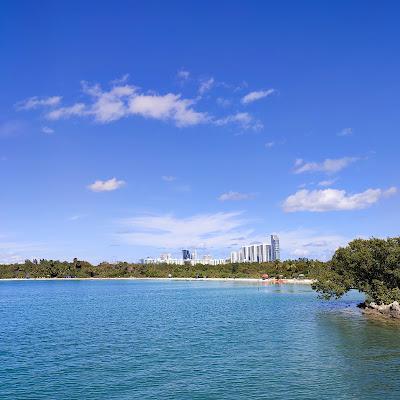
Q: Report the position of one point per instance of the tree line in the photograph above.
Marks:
(371, 266)
(83, 269)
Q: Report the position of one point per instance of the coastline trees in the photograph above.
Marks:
(369, 266)
(83, 269)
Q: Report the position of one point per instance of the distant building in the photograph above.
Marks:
(165, 257)
(162, 260)
(208, 260)
(207, 257)
(254, 253)
(234, 257)
(188, 257)
(275, 249)
(262, 252)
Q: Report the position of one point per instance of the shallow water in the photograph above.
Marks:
(190, 340)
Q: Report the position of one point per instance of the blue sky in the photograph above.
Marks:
(130, 129)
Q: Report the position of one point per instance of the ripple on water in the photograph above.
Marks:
(190, 340)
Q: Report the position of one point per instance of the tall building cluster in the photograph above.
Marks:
(188, 257)
(263, 252)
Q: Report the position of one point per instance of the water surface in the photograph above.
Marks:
(190, 340)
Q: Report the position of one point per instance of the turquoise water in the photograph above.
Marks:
(190, 340)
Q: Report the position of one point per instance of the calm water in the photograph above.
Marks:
(189, 340)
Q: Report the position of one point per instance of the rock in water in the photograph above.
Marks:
(391, 310)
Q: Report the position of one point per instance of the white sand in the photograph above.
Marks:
(254, 280)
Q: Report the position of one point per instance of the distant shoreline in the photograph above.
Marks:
(272, 281)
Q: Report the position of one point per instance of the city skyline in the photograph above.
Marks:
(120, 139)
(252, 253)
(258, 252)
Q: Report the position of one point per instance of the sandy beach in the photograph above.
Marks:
(251, 280)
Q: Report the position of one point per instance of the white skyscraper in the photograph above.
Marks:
(263, 252)
(235, 256)
(275, 249)
(165, 257)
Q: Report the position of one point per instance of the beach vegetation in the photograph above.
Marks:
(370, 266)
(83, 269)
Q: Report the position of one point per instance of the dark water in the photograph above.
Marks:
(190, 340)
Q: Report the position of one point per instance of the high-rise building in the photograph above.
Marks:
(235, 256)
(186, 255)
(263, 252)
(165, 257)
(245, 254)
(275, 249)
(253, 253)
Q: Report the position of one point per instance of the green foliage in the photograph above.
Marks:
(82, 269)
(370, 266)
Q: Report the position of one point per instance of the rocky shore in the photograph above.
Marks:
(391, 310)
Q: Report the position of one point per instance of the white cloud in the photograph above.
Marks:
(243, 119)
(124, 78)
(36, 102)
(271, 144)
(229, 196)
(256, 95)
(327, 182)
(168, 178)
(240, 87)
(328, 165)
(303, 185)
(16, 252)
(47, 130)
(345, 132)
(106, 186)
(206, 85)
(167, 107)
(222, 102)
(268, 145)
(183, 75)
(219, 230)
(310, 243)
(223, 232)
(76, 110)
(106, 106)
(109, 105)
(76, 217)
(333, 200)
(124, 100)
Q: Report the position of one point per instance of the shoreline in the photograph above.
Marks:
(251, 280)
